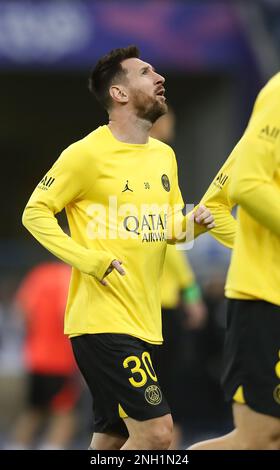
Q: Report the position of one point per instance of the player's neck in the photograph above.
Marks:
(129, 128)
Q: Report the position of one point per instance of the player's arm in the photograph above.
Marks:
(219, 202)
(67, 181)
(184, 275)
(252, 185)
(177, 263)
(185, 228)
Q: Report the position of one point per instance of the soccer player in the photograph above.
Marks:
(251, 376)
(123, 203)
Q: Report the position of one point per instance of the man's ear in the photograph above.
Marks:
(118, 93)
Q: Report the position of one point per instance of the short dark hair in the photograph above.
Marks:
(107, 70)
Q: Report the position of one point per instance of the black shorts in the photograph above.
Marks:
(55, 392)
(252, 354)
(119, 372)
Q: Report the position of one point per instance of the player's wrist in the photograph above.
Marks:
(192, 293)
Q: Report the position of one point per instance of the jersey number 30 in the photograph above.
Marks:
(141, 368)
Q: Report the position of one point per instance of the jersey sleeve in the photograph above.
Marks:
(257, 154)
(185, 273)
(181, 228)
(67, 181)
(217, 199)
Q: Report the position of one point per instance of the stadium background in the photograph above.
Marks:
(215, 56)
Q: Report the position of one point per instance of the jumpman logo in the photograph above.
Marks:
(126, 188)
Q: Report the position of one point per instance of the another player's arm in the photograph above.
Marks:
(252, 185)
(182, 271)
(67, 181)
(177, 263)
(218, 200)
(184, 228)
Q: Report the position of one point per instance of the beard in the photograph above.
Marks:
(147, 107)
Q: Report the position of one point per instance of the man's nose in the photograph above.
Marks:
(159, 79)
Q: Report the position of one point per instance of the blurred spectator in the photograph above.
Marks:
(53, 384)
(11, 331)
(11, 364)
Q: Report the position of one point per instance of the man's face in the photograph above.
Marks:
(145, 89)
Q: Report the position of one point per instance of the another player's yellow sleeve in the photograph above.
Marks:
(181, 228)
(67, 181)
(177, 263)
(252, 184)
(218, 200)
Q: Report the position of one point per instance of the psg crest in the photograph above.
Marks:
(165, 183)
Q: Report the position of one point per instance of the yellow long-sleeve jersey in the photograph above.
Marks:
(255, 185)
(116, 197)
(217, 199)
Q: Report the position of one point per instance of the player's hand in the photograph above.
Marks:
(196, 315)
(203, 216)
(116, 264)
